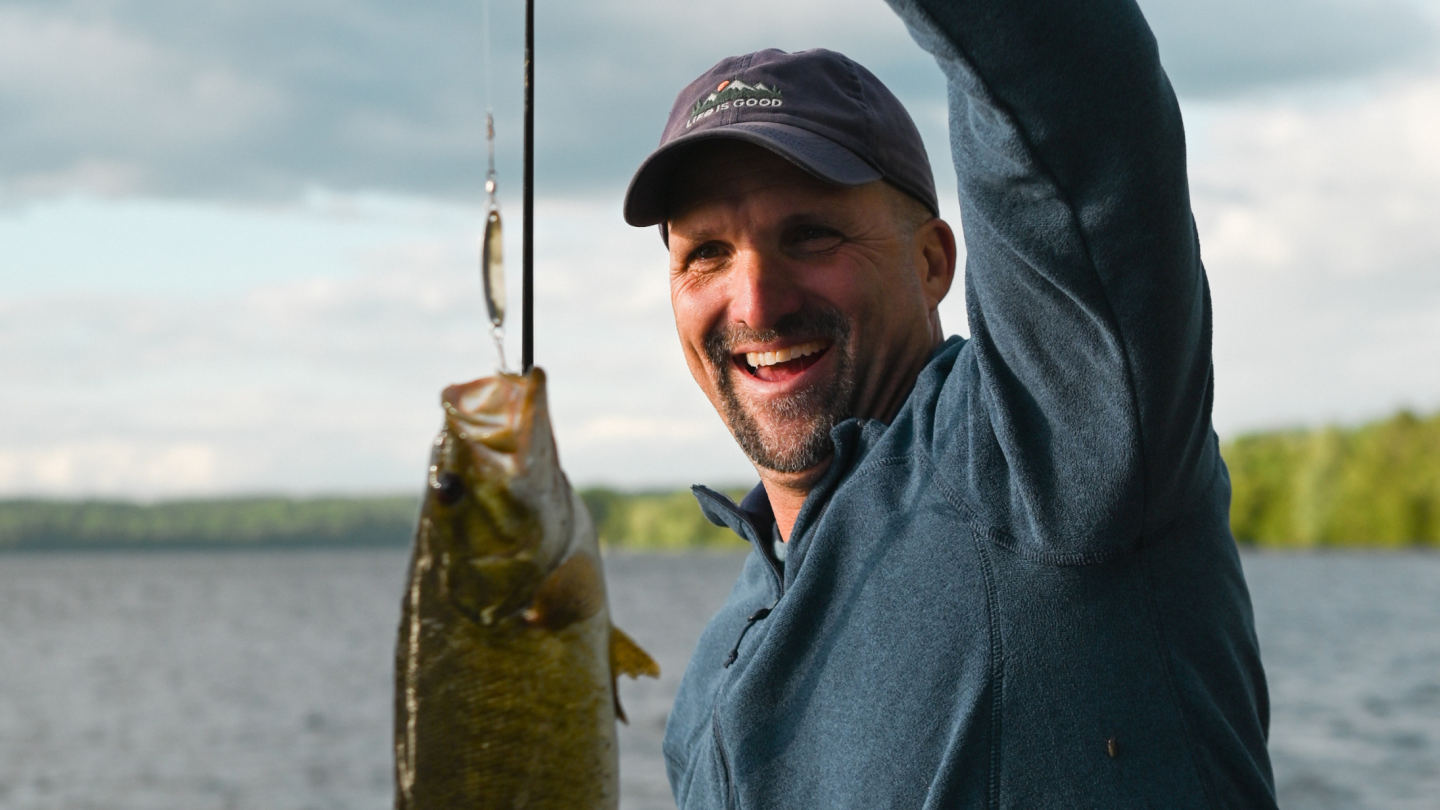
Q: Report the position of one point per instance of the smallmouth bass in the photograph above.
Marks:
(506, 662)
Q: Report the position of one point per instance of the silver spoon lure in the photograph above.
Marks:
(492, 248)
(492, 252)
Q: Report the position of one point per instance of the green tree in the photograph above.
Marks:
(1377, 485)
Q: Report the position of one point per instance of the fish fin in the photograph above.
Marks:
(573, 592)
(627, 658)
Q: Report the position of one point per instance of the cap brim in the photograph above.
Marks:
(645, 201)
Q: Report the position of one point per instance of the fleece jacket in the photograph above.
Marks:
(1022, 592)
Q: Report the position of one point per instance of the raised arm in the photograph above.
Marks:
(1089, 413)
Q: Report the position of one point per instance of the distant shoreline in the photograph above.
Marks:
(1376, 486)
(1246, 549)
(203, 547)
(643, 520)
(230, 522)
(1372, 486)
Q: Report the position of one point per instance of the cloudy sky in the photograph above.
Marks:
(237, 239)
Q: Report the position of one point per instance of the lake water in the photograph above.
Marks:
(239, 680)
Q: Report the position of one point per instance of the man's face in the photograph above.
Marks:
(798, 303)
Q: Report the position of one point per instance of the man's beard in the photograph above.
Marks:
(798, 434)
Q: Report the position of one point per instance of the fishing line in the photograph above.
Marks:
(492, 262)
(492, 248)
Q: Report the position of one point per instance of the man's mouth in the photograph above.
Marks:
(782, 364)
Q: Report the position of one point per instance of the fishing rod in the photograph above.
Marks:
(492, 264)
(527, 233)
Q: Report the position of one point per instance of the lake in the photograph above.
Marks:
(262, 679)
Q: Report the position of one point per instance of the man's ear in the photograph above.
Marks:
(935, 259)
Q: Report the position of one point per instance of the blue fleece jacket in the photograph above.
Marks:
(1023, 591)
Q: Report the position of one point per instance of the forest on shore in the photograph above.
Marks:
(1377, 485)
(644, 520)
(1372, 486)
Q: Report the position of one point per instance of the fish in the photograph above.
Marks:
(506, 661)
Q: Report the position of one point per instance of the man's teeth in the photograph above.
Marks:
(758, 359)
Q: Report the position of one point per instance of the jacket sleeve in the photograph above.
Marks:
(1088, 375)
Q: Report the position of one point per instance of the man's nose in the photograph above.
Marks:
(762, 290)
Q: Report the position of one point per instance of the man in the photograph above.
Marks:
(993, 572)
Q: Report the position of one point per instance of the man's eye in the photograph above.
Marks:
(815, 238)
(705, 252)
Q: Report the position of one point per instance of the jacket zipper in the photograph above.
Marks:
(731, 800)
(750, 622)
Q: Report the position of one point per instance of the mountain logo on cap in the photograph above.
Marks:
(734, 93)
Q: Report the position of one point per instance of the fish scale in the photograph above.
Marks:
(506, 658)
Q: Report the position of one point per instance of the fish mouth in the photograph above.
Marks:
(780, 363)
(496, 412)
(503, 425)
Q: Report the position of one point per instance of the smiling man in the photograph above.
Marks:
(800, 302)
(993, 572)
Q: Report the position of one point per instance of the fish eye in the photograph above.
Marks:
(449, 488)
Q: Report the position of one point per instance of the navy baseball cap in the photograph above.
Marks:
(817, 109)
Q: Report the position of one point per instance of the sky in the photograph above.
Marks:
(238, 239)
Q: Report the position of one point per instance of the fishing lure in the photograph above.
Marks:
(492, 245)
(492, 251)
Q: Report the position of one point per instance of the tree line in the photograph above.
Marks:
(646, 520)
(1376, 485)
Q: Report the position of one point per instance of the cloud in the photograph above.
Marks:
(212, 101)
(1315, 211)
(90, 104)
(110, 467)
(1224, 47)
(1316, 222)
(331, 383)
